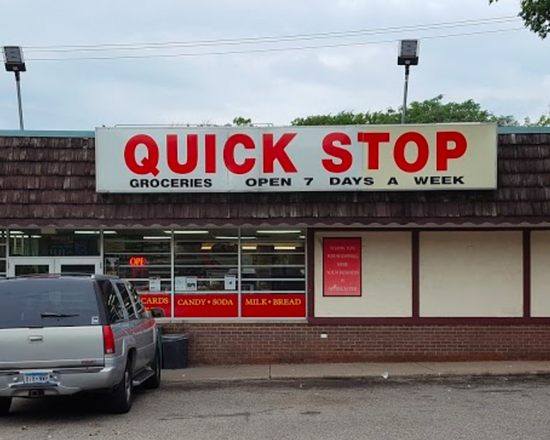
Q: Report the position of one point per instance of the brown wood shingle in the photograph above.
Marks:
(45, 181)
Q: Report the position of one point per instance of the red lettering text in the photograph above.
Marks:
(229, 154)
(373, 141)
(149, 163)
(210, 165)
(423, 152)
(276, 151)
(343, 155)
(192, 154)
(444, 153)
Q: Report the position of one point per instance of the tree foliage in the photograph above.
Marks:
(430, 111)
(241, 121)
(543, 121)
(535, 15)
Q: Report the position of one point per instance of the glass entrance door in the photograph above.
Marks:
(87, 266)
(35, 266)
(30, 266)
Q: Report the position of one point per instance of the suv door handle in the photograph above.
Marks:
(36, 339)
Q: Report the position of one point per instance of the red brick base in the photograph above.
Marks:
(302, 343)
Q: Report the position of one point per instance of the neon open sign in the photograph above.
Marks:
(138, 261)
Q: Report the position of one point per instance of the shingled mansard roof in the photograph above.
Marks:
(50, 180)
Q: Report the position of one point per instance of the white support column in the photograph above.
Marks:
(172, 273)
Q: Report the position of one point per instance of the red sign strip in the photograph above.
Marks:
(273, 305)
(159, 301)
(226, 306)
(207, 306)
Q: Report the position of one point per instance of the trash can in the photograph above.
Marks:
(174, 351)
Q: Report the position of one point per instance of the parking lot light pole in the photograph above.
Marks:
(14, 62)
(405, 92)
(407, 56)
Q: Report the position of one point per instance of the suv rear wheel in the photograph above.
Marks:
(5, 403)
(123, 395)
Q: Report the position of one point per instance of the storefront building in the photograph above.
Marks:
(316, 244)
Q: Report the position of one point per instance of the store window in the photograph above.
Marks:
(216, 273)
(204, 259)
(273, 261)
(273, 273)
(206, 273)
(58, 243)
(252, 273)
(143, 257)
(3, 252)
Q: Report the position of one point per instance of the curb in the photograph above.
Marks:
(380, 378)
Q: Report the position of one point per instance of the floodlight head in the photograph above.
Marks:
(13, 59)
(408, 53)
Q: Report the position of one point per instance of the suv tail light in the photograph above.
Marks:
(108, 340)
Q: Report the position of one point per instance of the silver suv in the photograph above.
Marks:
(61, 335)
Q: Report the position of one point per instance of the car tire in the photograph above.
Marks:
(122, 397)
(5, 404)
(154, 381)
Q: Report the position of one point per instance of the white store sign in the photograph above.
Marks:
(323, 158)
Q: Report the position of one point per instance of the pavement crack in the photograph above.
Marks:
(425, 366)
(311, 413)
(246, 415)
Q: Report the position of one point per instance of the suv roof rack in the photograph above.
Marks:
(99, 276)
(67, 274)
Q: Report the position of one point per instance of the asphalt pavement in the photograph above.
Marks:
(457, 408)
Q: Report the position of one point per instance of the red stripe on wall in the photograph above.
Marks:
(310, 273)
(526, 273)
(415, 274)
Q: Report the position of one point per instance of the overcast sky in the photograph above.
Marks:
(507, 72)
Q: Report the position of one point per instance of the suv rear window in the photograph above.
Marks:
(47, 303)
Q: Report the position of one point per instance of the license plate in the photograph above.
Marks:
(36, 378)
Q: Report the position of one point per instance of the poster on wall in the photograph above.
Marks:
(111, 266)
(191, 284)
(180, 284)
(229, 282)
(342, 266)
(154, 285)
(186, 284)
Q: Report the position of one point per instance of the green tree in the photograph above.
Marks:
(543, 121)
(390, 116)
(240, 121)
(535, 15)
(430, 111)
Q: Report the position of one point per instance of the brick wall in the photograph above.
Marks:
(302, 343)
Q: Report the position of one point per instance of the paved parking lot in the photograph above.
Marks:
(481, 408)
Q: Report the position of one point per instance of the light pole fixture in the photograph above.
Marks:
(407, 56)
(14, 62)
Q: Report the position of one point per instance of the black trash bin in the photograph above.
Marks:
(174, 351)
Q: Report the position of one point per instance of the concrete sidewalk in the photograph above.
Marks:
(355, 370)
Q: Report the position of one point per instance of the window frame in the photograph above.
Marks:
(104, 298)
(134, 314)
(141, 311)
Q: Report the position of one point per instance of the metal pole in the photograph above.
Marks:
(18, 83)
(404, 111)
